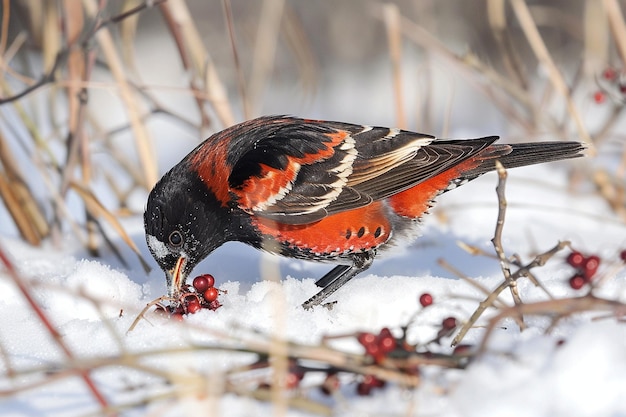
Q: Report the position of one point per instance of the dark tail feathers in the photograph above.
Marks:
(523, 154)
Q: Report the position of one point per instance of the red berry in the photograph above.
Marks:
(211, 294)
(622, 255)
(177, 316)
(609, 74)
(331, 384)
(378, 382)
(577, 282)
(366, 339)
(210, 278)
(590, 266)
(368, 383)
(363, 389)
(426, 299)
(599, 97)
(449, 323)
(374, 350)
(292, 380)
(384, 332)
(294, 376)
(576, 259)
(385, 340)
(193, 307)
(201, 283)
(387, 344)
(368, 380)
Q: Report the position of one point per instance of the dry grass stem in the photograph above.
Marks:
(391, 15)
(241, 80)
(543, 55)
(95, 207)
(618, 26)
(142, 138)
(496, 14)
(264, 54)
(596, 38)
(468, 65)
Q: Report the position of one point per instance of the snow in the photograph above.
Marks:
(584, 377)
(93, 302)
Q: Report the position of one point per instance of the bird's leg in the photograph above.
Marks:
(338, 276)
(332, 275)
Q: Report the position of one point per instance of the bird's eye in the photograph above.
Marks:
(176, 239)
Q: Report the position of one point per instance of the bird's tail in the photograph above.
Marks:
(522, 154)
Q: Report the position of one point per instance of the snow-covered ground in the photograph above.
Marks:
(522, 374)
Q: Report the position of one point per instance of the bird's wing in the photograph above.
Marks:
(298, 171)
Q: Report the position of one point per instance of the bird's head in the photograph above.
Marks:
(183, 224)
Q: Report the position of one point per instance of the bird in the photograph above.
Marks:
(315, 190)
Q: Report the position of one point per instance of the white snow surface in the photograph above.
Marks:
(93, 301)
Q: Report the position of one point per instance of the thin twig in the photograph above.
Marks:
(47, 78)
(62, 55)
(145, 309)
(523, 271)
(557, 308)
(482, 306)
(128, 13)
(480, 287)
(497, 237)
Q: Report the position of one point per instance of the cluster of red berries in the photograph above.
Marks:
(586, 268)
(378, 346)
(615, 79)
(365, 386)
(201, 294)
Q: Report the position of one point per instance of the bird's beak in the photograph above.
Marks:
(176, 277)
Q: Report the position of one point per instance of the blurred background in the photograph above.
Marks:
(99, 98)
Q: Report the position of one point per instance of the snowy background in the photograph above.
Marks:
(167, 368)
